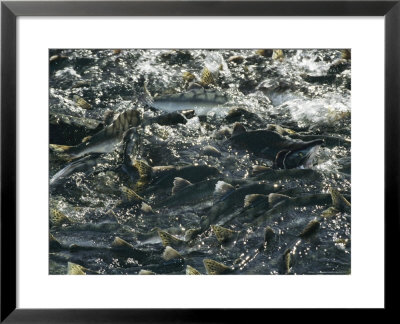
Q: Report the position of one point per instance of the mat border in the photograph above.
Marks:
(10, 10)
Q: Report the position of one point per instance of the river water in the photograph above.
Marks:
(302, 94)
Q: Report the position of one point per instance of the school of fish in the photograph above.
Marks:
(200, 162)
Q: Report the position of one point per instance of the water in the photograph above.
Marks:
(264, 91)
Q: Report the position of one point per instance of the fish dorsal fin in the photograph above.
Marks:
(82, 103)
(207, 77)
(124, 121)
(252, 199)
(76, 269)
(215, 268)
(258, 169)
(192, 271)
(171, 254)
(211, 151)
(310, 229)
(222, 189)
(53, 243)
(278, 55)
(169, 240)
(146, 98)
(129, 196)
(191, 233)
(57, 218)
(274, 198)
(223, 234)
(121, 244)
(145, 170)
(268, 234)
(180, 184)
(338, 201)
(145, 272)
(146, 208)
(238, 128)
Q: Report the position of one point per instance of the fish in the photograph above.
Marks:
(228, 201)
(146, 272)
(57, 218)
(200, 100)
(164, 176)
(310, 229)
(255, 204)
(106, 140)
(284, 151)
(76, 269)
(85, 156)
(216, 268)
(260, 172)
(186, 193)
(170, 254)
(192, 271)
(85, 164)
(305, 200)
(223, 234)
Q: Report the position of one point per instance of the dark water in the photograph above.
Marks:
(307, 92)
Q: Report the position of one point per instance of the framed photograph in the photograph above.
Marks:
(239, 154)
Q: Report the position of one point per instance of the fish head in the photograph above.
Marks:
(300, 156)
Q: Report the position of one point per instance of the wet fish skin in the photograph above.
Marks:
(225, 210)
(279, 174)
(85, 164)
(301, 201)
(106, 140)
(194, 193)
(163, 176)
(200, 100)
(268, 144)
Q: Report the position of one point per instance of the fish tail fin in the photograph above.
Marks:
(207, 77)
(339, 201)
(146, 98)
(63, 152)
(145, 170)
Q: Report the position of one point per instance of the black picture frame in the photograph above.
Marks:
(10, 10)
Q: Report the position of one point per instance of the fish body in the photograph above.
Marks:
(200, 100)
(106, 140)
(85, 164)
(87, 155)
(230, 202)
(301, 201)
(285, 152)
(164, 176)
(191, 194)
